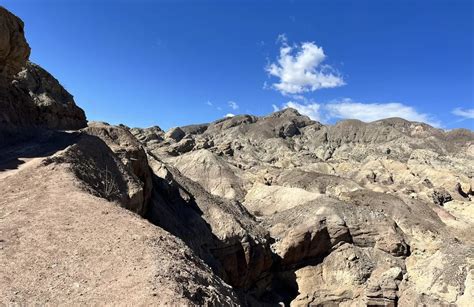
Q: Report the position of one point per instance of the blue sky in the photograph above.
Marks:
(172, 63)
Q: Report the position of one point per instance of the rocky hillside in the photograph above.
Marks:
(367, 213)
(245, 210)
(31, 99)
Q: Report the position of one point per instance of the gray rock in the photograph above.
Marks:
(133, 157)
(183, 146)
(175, 134)
(56, 107)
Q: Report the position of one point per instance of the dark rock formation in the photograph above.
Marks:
(14, 50)
(30, 98)
(441, 196)
(56, 107)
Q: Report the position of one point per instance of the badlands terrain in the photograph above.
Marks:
(245, 210)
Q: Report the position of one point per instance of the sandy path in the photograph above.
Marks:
(24, 163)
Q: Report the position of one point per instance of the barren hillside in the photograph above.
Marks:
(245, 210)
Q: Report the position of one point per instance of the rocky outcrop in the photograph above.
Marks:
(30, 98)
(175, 134)
(348, 207)
(56, 107)
(103, 173)
(350, 275)
(133, 157)
(148, 136)
(14, 50)
(222, 232)
(212, 173)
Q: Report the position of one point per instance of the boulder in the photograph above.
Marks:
(352, 275)
(183, 146)
(175, 134)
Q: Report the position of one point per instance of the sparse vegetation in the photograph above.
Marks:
(110, 187)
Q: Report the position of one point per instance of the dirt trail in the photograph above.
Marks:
(24, 163)
(60, 245)
(24, 155)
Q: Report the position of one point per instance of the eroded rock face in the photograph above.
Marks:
(56, 107)
(30, 98)
(350, 275)
(175, 134)
(103, 173)
(371, 190)
(221, 231)
(14, 50)
(133, 157)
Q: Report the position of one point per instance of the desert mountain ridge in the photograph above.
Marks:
(242, 211)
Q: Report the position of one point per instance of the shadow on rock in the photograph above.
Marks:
(43, 145)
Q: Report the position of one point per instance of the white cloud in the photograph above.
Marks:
(348, 109)
(233, 105)
(466, 113)
(312, 110)
(275, 108)
(374, 111)
(229, 115)
(209, 103)
(300, 69)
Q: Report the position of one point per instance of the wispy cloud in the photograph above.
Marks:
(233, 105)
(348, 109)
(209, 103)
(282, 39)
(464, 113)
(374, 111)
(299, 69)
